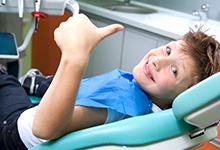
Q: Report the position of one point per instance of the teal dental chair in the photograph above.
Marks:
(192, 120)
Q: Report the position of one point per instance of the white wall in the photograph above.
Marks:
(188, 6)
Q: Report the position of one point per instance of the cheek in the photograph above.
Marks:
(164, 85)
(165, 89)
(169, 89)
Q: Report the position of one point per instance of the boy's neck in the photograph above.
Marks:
(163, 104)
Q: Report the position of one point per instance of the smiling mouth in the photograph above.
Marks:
(147, 71)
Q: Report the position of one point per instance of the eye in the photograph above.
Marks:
(174, 70)
(168, 51)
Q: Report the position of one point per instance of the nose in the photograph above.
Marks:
(160, 62)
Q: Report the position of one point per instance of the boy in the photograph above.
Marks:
(161, 75)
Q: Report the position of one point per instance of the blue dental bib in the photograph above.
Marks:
(116, 90)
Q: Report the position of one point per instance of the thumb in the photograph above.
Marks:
(109, 30)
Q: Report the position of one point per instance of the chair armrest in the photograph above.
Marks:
(130, 132)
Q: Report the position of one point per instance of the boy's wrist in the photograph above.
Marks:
(75, 60)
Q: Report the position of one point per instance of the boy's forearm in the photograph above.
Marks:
(57, 105)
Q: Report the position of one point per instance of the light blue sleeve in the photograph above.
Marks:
(114, 116)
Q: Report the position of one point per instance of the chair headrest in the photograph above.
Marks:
(205, 93)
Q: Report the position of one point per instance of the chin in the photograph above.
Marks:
(134, 71)
(135, 68)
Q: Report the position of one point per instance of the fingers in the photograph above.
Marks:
(109, 30)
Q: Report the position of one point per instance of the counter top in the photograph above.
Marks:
(165, 22)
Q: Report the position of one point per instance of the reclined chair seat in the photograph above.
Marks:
(165, 129)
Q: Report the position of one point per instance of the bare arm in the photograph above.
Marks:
(56, 114)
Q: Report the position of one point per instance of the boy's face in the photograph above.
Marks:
(165, 72)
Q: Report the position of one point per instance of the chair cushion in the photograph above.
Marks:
(34, 99)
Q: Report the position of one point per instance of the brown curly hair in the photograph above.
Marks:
(205, 51)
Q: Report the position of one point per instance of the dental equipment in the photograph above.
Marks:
(20, 8)
(3, 2)
(46, 7)
(191, 121)
(37, 14)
